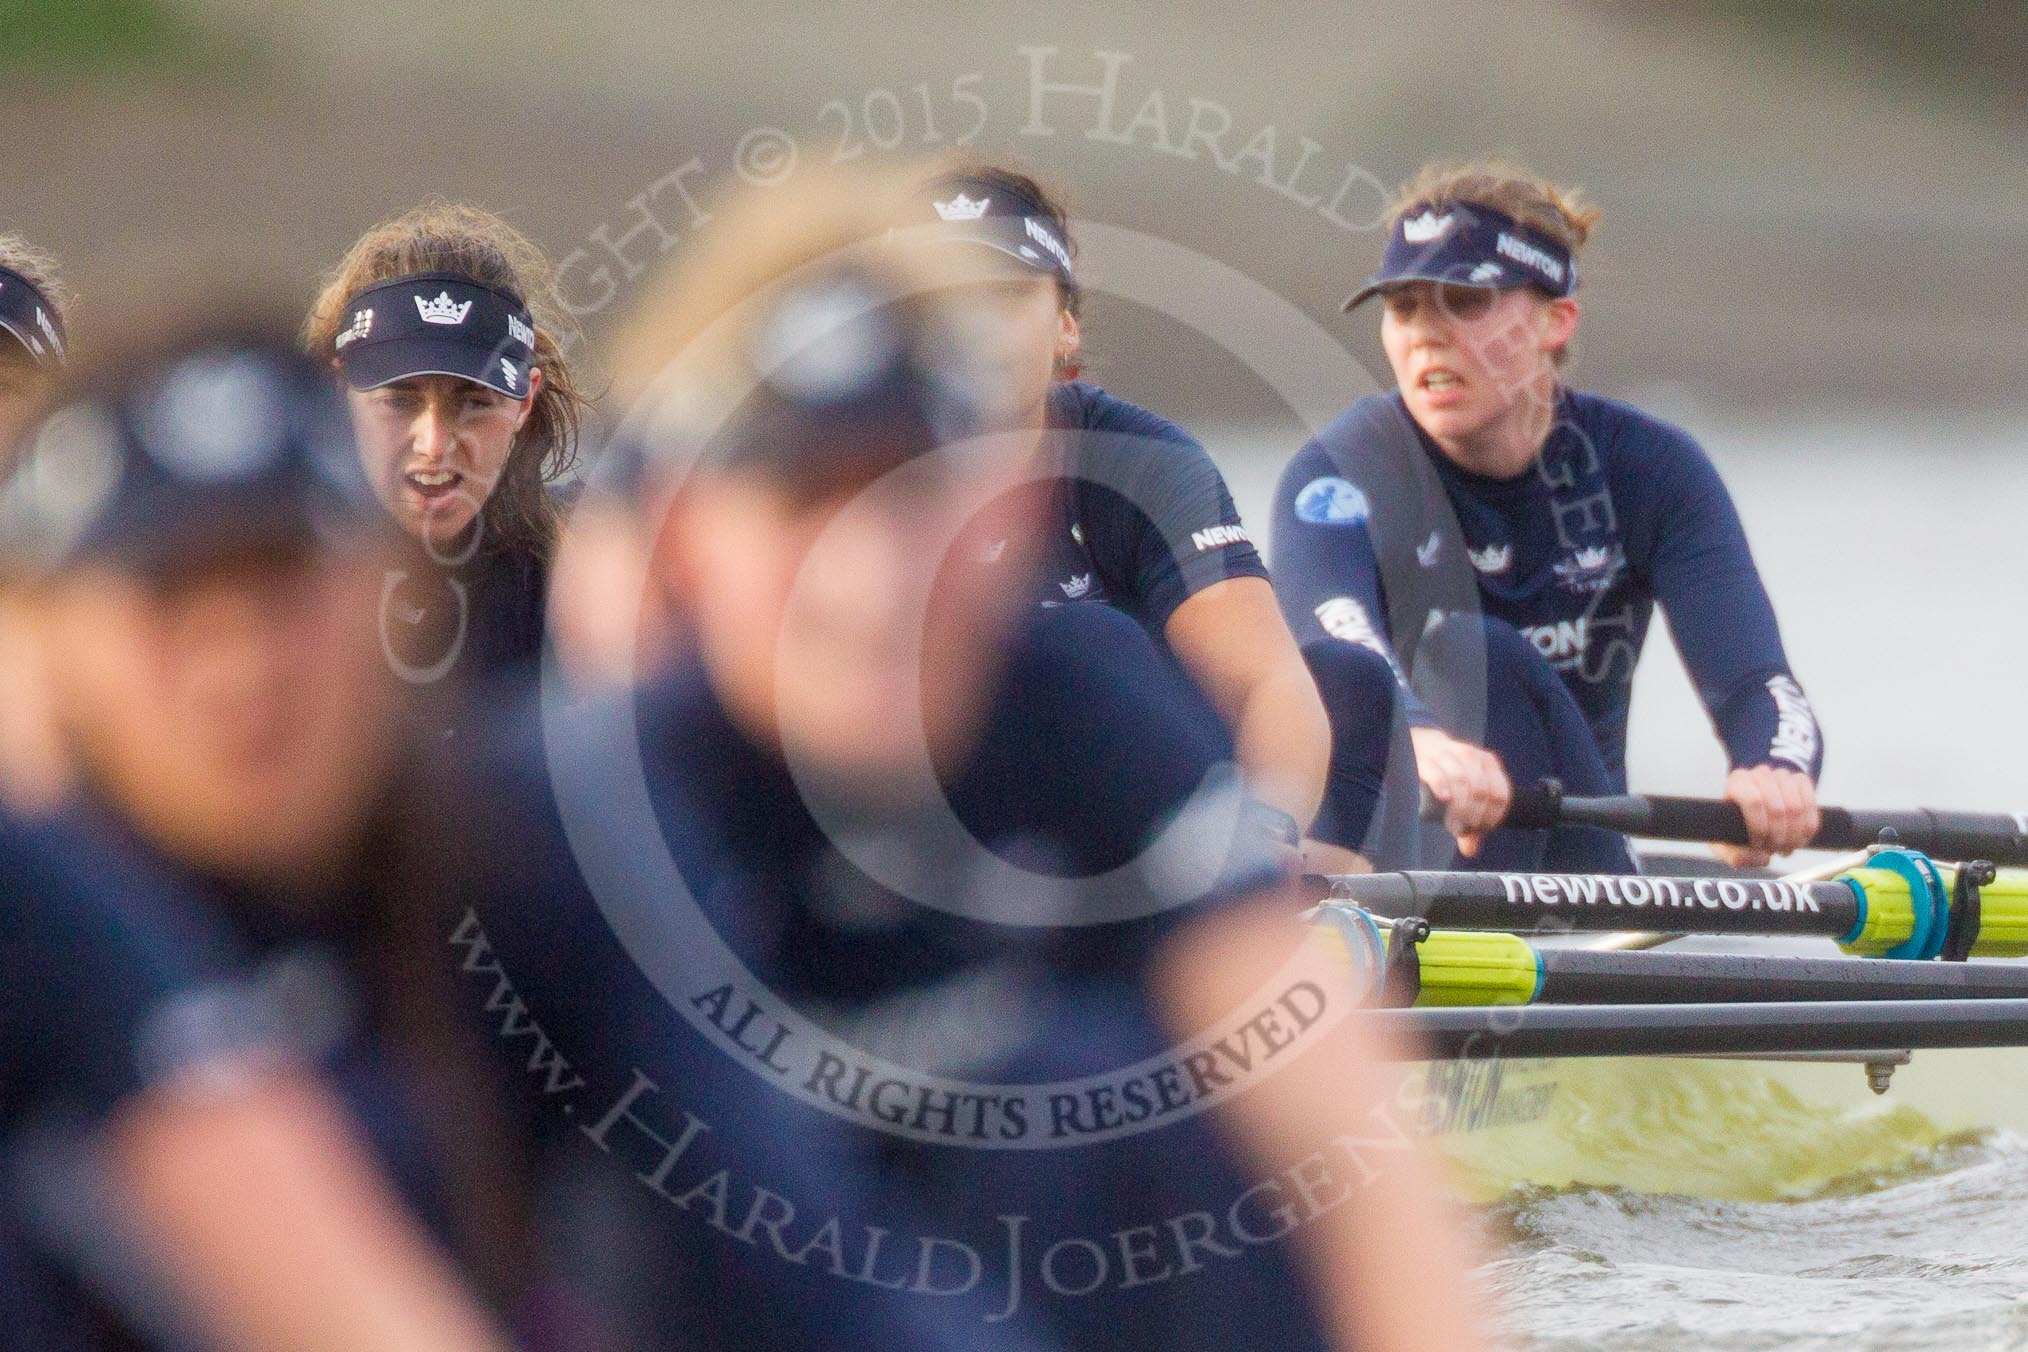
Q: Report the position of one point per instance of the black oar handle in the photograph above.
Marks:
(1706, 1030)
(1580, 976)
(1538, 806)
(1999, 837)
(1559, 903)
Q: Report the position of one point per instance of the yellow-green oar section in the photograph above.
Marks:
(1911, 906)
(1443, 968)
(2003, 914)
(1765, 1127)
(1899, 905)
(1476, 967)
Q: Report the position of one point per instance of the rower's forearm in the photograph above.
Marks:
(1283, 740)
(273, 1222)
(1388, 1252)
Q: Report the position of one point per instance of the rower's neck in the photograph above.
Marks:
(1037, 446)
(1509, 445)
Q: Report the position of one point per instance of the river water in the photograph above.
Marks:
(1935, 1258)
(1896, 551)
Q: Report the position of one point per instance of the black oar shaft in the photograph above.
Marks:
(1556, 903)
(1994, 836)
(1582, 977)
(1707, 1030)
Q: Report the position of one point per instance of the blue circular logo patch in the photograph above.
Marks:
(1331, 501)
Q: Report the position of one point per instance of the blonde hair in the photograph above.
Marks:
(1558, 212)
(686, 352)
(441, 236)
(42, 273)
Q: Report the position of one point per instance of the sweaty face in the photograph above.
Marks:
(23, 382)
(235, 711)
(434, 447)
(1464, 357)
(824, 618)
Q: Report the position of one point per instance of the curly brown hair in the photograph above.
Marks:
(443, 236)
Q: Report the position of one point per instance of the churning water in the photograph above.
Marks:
(1934, 1257)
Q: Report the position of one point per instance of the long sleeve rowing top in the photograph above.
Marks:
(1377, 534)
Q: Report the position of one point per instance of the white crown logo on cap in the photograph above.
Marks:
(442, 310)
(1426, 227)
(963, 208)
(214, 419)
(824, 341)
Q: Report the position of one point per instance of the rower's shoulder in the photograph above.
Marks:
(1374, 430)
(1124, 446)
(1079, 405)
(1371, 447)
(1625, 434)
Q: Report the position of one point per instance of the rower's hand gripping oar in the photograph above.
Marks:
(2001, 838)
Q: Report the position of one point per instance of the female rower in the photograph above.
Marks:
(34, 313)
(439, 323)
(817, 405)
(223, 1169)
(1504, 538)
(201, 562)
(1139, 518)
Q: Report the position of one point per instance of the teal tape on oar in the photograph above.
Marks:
(1363, 941)
(1932, 901)
(1858, 929)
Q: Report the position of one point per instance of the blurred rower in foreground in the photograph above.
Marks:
(202, 561)
(1504, 539)
(167, 1151)
(611, 619)
(440, 325)
(34, 337)
(874, 935)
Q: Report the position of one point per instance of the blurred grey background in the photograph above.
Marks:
(1811, 252)
(1805, 201)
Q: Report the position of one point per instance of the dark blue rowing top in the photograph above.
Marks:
(1377, 533)
(95, 962)
(474, 621)
(110, 985)
(1140, 518)
(1084, 759)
